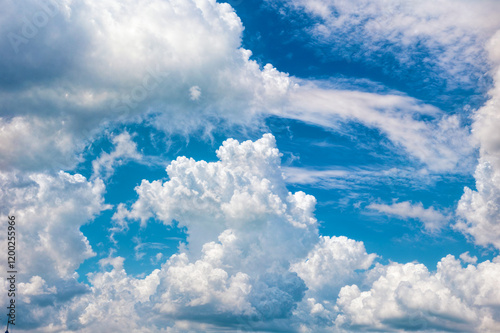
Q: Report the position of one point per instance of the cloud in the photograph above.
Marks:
(444, 40)
(49, 210)
(233, 276)
(259, 266)
(131, 63)
(432, 219)
(246, 173)
(253, 248)
(332, 264)
(440, 143)
(409, 297)
(115, 302)
(125, 149)
(349, 178)
(479, 209)
(195, 93)
(122, 62)
(466, 258)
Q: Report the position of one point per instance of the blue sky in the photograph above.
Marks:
(261, 166)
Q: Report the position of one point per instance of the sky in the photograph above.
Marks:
(251, 166)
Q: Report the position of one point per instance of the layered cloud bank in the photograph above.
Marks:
(253, 261)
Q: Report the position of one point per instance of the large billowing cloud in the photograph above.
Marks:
(244, 228)
(261, 265)
(120, 60)
(173, 65)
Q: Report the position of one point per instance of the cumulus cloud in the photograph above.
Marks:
(49, 210)
(240, 191)
(259, 266)
(332, 264)
(409, 297)
(433, 219)
(479, 208)
(243, 227)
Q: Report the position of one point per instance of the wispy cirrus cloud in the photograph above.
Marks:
(445, 40)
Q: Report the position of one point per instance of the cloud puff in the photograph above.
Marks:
(125, 149)
(243, 227)
(432, 219)
(332, 264)
(409, 297)
(50, 209)
(242, 191)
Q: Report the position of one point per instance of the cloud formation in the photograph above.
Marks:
(445, 40)
(432, 219)
(253, 261)
(479, 208)
(174, 65)
(409, 297)
(254, 258)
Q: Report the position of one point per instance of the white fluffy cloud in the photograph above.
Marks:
(332, 264)
(118, 60)
(479, 208)
(49, 210)
(243, 191)
(409, 297)
(244, 228)
(433, 219)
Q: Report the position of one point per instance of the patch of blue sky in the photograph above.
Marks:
(343, 199)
